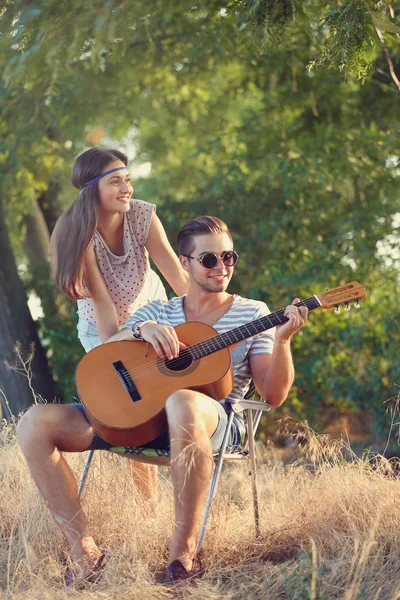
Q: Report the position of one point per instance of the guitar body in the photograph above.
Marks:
(124, 386)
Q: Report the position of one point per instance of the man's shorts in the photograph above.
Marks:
(163, 442)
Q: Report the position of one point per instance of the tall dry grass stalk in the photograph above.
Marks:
(330, 529)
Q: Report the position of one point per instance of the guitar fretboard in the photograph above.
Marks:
(223, 340)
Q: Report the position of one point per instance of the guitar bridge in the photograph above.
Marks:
(126, 379)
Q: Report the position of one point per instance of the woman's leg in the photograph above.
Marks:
(144, 476)
(43, 433)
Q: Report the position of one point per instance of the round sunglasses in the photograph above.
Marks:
(209, 260)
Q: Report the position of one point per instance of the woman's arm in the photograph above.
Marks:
(104, 307)
(165, 258)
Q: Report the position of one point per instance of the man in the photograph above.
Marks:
(194, 419)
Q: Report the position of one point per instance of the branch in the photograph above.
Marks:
(384, 86)
(380, 20)
(388, 59)
(382, 23)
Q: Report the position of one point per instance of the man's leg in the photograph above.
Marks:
(43, 432)
(192, 420)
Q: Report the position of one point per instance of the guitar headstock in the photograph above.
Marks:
(344, 294)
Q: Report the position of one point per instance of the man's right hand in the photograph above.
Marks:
(163, 339)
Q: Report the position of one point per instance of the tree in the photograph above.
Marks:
(18, 328)
(346, 36)
(304, 171)
(300, 163)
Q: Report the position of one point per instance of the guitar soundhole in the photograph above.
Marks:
(182, 362)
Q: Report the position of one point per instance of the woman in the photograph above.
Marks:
(101, 246)
(100, 257)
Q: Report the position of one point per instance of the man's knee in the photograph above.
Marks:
(182, 405)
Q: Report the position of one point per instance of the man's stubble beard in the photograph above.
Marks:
(208, 287)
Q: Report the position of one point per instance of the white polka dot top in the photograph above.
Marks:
(128, 276)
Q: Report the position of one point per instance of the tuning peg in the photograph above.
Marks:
(356, 304)
(347, 308)
(337, 309)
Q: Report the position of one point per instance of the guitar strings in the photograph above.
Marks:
(186, 353)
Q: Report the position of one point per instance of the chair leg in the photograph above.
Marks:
(214, 482)
(85, 472)
(257, 419)
(253, 471)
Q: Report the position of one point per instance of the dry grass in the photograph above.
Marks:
(330, 529)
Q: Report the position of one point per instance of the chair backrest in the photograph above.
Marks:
(253, 407)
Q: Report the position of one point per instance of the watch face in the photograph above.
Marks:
(136, 330)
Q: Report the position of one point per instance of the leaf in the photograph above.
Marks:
(384, 23)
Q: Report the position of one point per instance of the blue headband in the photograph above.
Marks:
(102, 175)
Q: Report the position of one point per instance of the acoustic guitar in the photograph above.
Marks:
(124, 385)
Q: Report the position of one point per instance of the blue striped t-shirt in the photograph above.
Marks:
(241, 311)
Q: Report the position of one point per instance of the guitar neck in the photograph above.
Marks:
(233, 336)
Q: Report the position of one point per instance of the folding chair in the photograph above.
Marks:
(253, 409)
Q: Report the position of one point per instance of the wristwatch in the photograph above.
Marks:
(136, 327)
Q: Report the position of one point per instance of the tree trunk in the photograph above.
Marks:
(37, 239)
(18, 327)
(50, 205)
(37, 250)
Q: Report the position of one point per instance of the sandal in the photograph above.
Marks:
(71, 579)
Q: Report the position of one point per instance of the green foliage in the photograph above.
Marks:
(344, 363)
(57, 333)
(63, 36)
(267, 19)
(351, 42)
(302, 165)
(309, 192)
(299, 586)
(342, 35)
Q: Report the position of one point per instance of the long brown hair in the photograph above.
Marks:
(75, 228)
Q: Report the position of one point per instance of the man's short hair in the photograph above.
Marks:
(200, 226)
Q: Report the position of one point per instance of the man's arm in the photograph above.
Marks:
(273, 374)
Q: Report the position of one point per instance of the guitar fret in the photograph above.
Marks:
(253, 325)
(210, 346)
(228, 335)
(216, 343)
(247, 328)
(195, 352)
